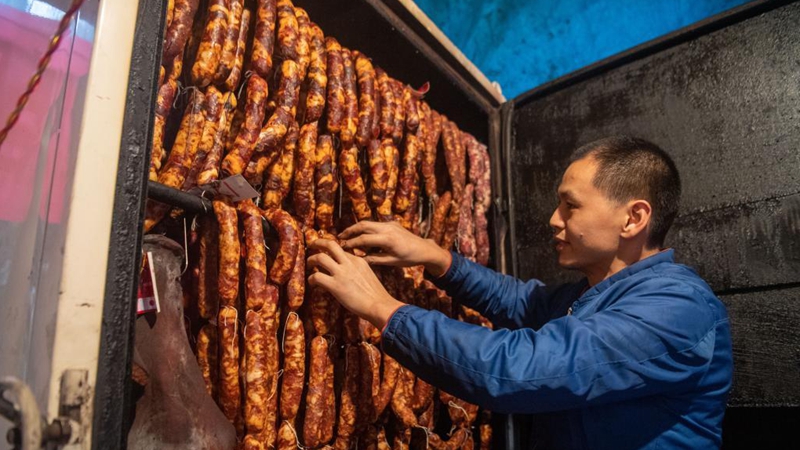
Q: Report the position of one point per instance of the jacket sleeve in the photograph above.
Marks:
(646, 344)
(505, 300)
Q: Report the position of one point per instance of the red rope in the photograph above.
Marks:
(41, 67)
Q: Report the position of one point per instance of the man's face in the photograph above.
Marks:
(586, 224)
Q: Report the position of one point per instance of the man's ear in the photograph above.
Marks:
(639, 214)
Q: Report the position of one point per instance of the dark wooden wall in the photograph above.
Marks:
(726, 105)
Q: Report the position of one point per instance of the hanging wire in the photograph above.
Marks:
(55, 41)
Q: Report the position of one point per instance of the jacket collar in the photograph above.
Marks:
(664, 256)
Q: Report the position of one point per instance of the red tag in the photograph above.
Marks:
(147, 297)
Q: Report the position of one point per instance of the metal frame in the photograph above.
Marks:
(113, 398)
(657, 45)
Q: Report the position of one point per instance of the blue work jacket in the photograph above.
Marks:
(642, 360)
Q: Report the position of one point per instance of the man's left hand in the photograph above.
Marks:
(351, 280)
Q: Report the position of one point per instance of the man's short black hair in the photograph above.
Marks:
(630, 168)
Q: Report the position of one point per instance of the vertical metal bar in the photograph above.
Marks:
(113, 406)
(507, 117)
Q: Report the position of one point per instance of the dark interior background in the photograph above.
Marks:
(726, 105)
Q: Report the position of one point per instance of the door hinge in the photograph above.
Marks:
(31, 430)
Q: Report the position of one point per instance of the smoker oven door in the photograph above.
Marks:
(722, 98)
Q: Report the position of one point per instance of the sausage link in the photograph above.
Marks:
(303, 39)
(255, 281)
(452, 146)
(401, 399)
(423, 396)
(387, 103)
(253, 442)
(296, 286)
(294, 367)
(451, 224)
(429, 159)
(329, 403)
(352, 331)
(210, 50)
(392, 158)
(378, 170)
(350, 121)
(229, 252)
(466, 230)
(485, 429)
(439, 217)
(351, 174)
(278, 179)
(208, 264)
(288, 31)
(256, 388)
(304, 176)
(350, 393)
(423, 129)
(389, 378)
(411, 217)
(336, 95)
(399, 111)
(290, 239)
(180, 157)
(408, 174)
(287, 437)
(412, 112)
(210, 169)
(264, 38)
(230, 43)
(370, 382)
(317, 77)
(383, 443)
(179, 28)
(366, 98)
(376, 112)
(213, 110)
(254, 173)
(271, 301)
(272, 357)
(315, 396)
(229, 390)
(233, 74)
(457, 440)
(325, 179)
(275, 131)
(236, 123)
(288, 95)
(238, 157)
(166, 95)
(207, 358)
(483, 199)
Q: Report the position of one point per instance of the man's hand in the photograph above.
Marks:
(390, 244)
(351, 280)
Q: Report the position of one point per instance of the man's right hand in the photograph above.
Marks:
(389, 244)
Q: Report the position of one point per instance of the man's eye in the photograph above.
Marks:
(571, 205)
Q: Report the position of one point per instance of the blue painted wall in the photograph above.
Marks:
(522, 44)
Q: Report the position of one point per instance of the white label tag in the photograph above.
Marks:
(147, 300)
(235, 187)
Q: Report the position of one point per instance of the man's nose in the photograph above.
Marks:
(556, 222)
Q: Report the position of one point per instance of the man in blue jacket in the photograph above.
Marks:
(637, 355)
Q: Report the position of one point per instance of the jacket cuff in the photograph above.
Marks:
(390, 330)
(454, 273)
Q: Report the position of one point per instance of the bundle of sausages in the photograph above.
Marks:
(330, 139)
